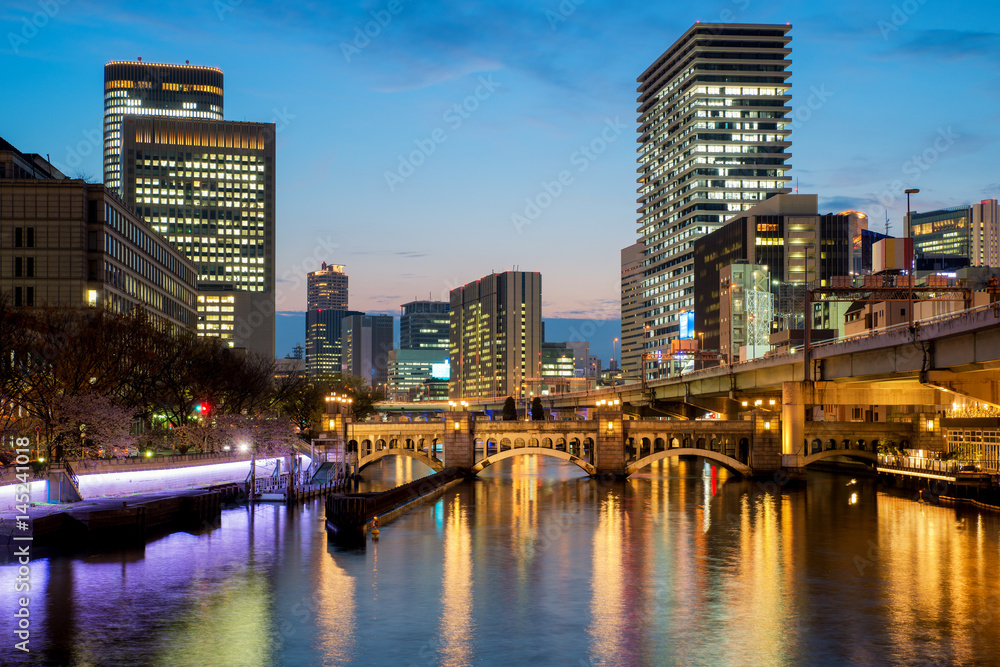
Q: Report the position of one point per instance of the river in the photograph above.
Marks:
(535, 565)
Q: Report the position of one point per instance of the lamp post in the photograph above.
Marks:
(909, 235)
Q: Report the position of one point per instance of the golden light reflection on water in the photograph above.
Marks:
(524, 510)
(935, 586)
(456, 589)
(607, 605)
(336, 613)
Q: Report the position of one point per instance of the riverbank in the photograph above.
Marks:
(108, 523)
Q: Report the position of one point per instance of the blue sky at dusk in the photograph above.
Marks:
(476, 107)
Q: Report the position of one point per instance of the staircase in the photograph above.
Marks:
(64, 485)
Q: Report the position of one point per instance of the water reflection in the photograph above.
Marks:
(455, 626)
(536, 564)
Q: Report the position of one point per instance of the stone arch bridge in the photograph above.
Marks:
(609, 443)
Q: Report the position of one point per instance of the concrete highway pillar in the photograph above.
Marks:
(459, 440)
(609, 452)
(793, 423)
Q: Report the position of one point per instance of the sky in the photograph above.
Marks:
(421, 143)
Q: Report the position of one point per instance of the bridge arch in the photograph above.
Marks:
(727, 462)
(857, 454)
(435, 464)
(542, 451)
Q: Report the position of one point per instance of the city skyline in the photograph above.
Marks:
(520, 93)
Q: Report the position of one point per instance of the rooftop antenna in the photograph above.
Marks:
(140, 58)
(886, 203)
(796, 183)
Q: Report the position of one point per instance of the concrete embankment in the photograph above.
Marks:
(349, 516)
(110, 523)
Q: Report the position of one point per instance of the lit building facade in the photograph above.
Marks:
(66, 243)
(323, 348)
(420, 369)
(416, 375)
(970, 232)
(366, 341)
(747, 311)
(208, 188)
(154, 89)
(786, 237)
(423, 325)
(495, 335)
(327, 288)
(713, 142)
(558, 361)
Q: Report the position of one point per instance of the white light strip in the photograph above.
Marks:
(927, 475)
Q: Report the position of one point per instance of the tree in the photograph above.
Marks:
(87, 425)
(537, 411)
(509, 410)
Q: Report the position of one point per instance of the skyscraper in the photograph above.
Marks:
(327, 288)
(326, 308)
(208, 187)
(713, 140)
(154, 89)
(496, 335)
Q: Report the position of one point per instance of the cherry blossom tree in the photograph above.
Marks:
(87, 425)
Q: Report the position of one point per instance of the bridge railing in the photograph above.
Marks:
(926, 464)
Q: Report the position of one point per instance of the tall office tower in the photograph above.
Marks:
(632, 325)
(327, 288)
(208, 187)
(326, 308)
(366, 341)
(66, 243)
(423, 325)
(153, 89)
(713, 140)
(495, 335)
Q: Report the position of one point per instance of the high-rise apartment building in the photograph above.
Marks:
(423, 325)
(66, 243)
(713, 141)
(496, 335)
(153, 89)
(208, 187)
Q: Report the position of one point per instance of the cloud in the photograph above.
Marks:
(951, 45)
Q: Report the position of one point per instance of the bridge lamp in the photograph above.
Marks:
(611, 426)
(457, 426)
(771, 402)
(930, 425)
(758, 402)
(767, 426)
(744, 404)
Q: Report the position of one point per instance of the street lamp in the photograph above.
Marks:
(909, 235)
